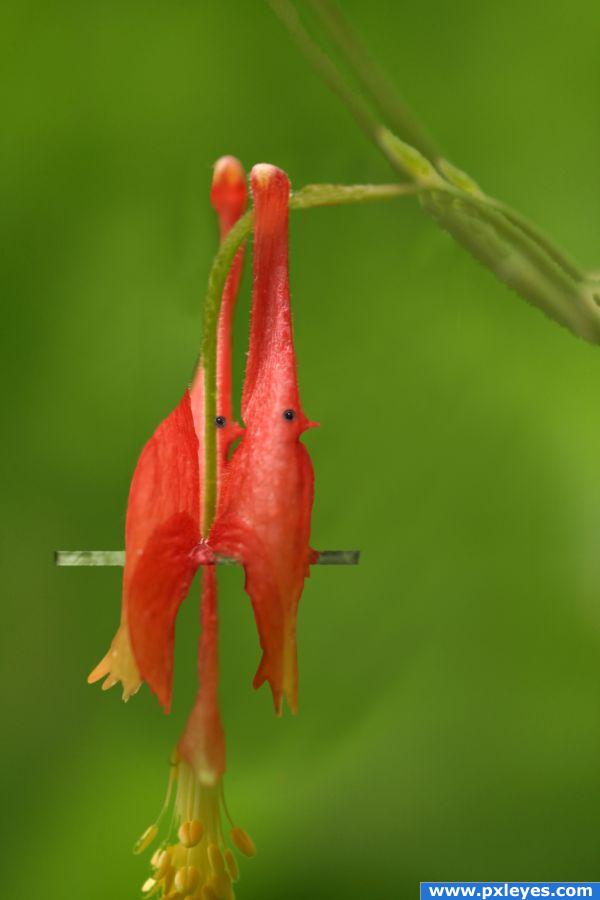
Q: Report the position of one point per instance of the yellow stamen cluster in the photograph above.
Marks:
(197, 865)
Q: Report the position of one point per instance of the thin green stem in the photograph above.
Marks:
(306, 198)
(514, 249)
(212, 305)
(337, 194)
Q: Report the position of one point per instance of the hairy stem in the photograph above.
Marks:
(337, 194)
(514, 249)
(307, 197)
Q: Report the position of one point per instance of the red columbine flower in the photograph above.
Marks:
(162, 537)
(163, 524)
(264, 516)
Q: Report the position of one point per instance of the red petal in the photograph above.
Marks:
(162, 530)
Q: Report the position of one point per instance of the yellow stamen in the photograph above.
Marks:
(148, 885)
(163, 864)
(221, 885)
(215, 857)
(197, 865)
(168, 878)
(145, 839)
(232, 866)
(187, 880)
(243, 841)
(190, 833)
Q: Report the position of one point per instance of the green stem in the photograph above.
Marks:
(212, 305)
(337, 194)
(307, 197)
(514, 249)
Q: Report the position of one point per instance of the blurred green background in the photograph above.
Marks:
(450, 684)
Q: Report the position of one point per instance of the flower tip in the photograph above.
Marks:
(94, 675)
(145, 839)
(262, 173)
(228, 170)
(277, 700)
(292, 704)
(232, 866)
(243, 842)
(279, 697)
(228, 192)
(264, 176)
(271, 192)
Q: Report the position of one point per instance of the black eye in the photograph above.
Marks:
(220, 421)
(289, 414)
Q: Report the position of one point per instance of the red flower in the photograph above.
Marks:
(264, 516)
(198, 861)
(163, 525)
(163, 536)
(264, 503)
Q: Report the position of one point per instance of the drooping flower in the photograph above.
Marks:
(194, 858)
(263, 511)
(264, 516)
(163, 524)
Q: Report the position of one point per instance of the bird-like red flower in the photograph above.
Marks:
(263, 511)
(164, 531)
(264, 516)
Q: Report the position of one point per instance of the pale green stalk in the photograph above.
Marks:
(514, 249)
